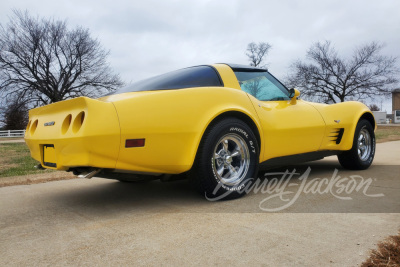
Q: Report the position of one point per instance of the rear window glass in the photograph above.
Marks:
(200, 76)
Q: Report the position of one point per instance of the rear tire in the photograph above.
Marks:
(361, 155)
(227, 160)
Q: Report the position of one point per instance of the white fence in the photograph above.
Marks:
(12, 133)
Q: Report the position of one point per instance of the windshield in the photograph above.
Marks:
(199, 76)
(262, 85)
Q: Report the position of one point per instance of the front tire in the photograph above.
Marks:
(227, 160)
(361, 155)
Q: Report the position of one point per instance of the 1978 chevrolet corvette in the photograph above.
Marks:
(217, 123)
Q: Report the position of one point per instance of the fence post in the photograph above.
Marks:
(9, 133)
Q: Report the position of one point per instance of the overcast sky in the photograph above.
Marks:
(147, 38)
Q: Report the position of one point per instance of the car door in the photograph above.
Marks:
(289, 126)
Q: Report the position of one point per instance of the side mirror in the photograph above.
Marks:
(294, 94)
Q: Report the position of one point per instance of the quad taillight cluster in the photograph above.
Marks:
(68, 123)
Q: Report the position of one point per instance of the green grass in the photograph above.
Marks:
(15, 160)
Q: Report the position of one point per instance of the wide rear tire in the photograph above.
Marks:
(227, 160)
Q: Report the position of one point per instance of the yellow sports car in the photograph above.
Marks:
(217, 123)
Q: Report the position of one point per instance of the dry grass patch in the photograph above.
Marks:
(36, 178)
(387, 133)
(387, 253)
(11, 138)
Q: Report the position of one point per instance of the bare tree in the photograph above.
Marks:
(331, 79)
(374, 107)
(42, 61)
(14, 115)
(254, 87)
(257, 53)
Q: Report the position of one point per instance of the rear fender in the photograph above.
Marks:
(172, 131)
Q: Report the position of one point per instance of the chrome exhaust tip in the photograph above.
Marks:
(39, 167)
(89, 175)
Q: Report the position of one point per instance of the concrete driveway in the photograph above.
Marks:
(105, 222)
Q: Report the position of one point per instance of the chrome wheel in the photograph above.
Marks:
(364, 144)
(231, 159)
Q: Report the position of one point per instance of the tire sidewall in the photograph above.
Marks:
(242, 130)
(364, 124)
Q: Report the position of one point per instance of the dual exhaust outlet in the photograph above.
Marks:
(85, 174)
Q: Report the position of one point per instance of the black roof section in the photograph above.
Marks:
(239, 67)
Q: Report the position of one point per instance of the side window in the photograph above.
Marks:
(262, 86)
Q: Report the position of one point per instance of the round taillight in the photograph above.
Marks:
(79, 119)
(29, 125)
(66, 123)
(34, 126)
